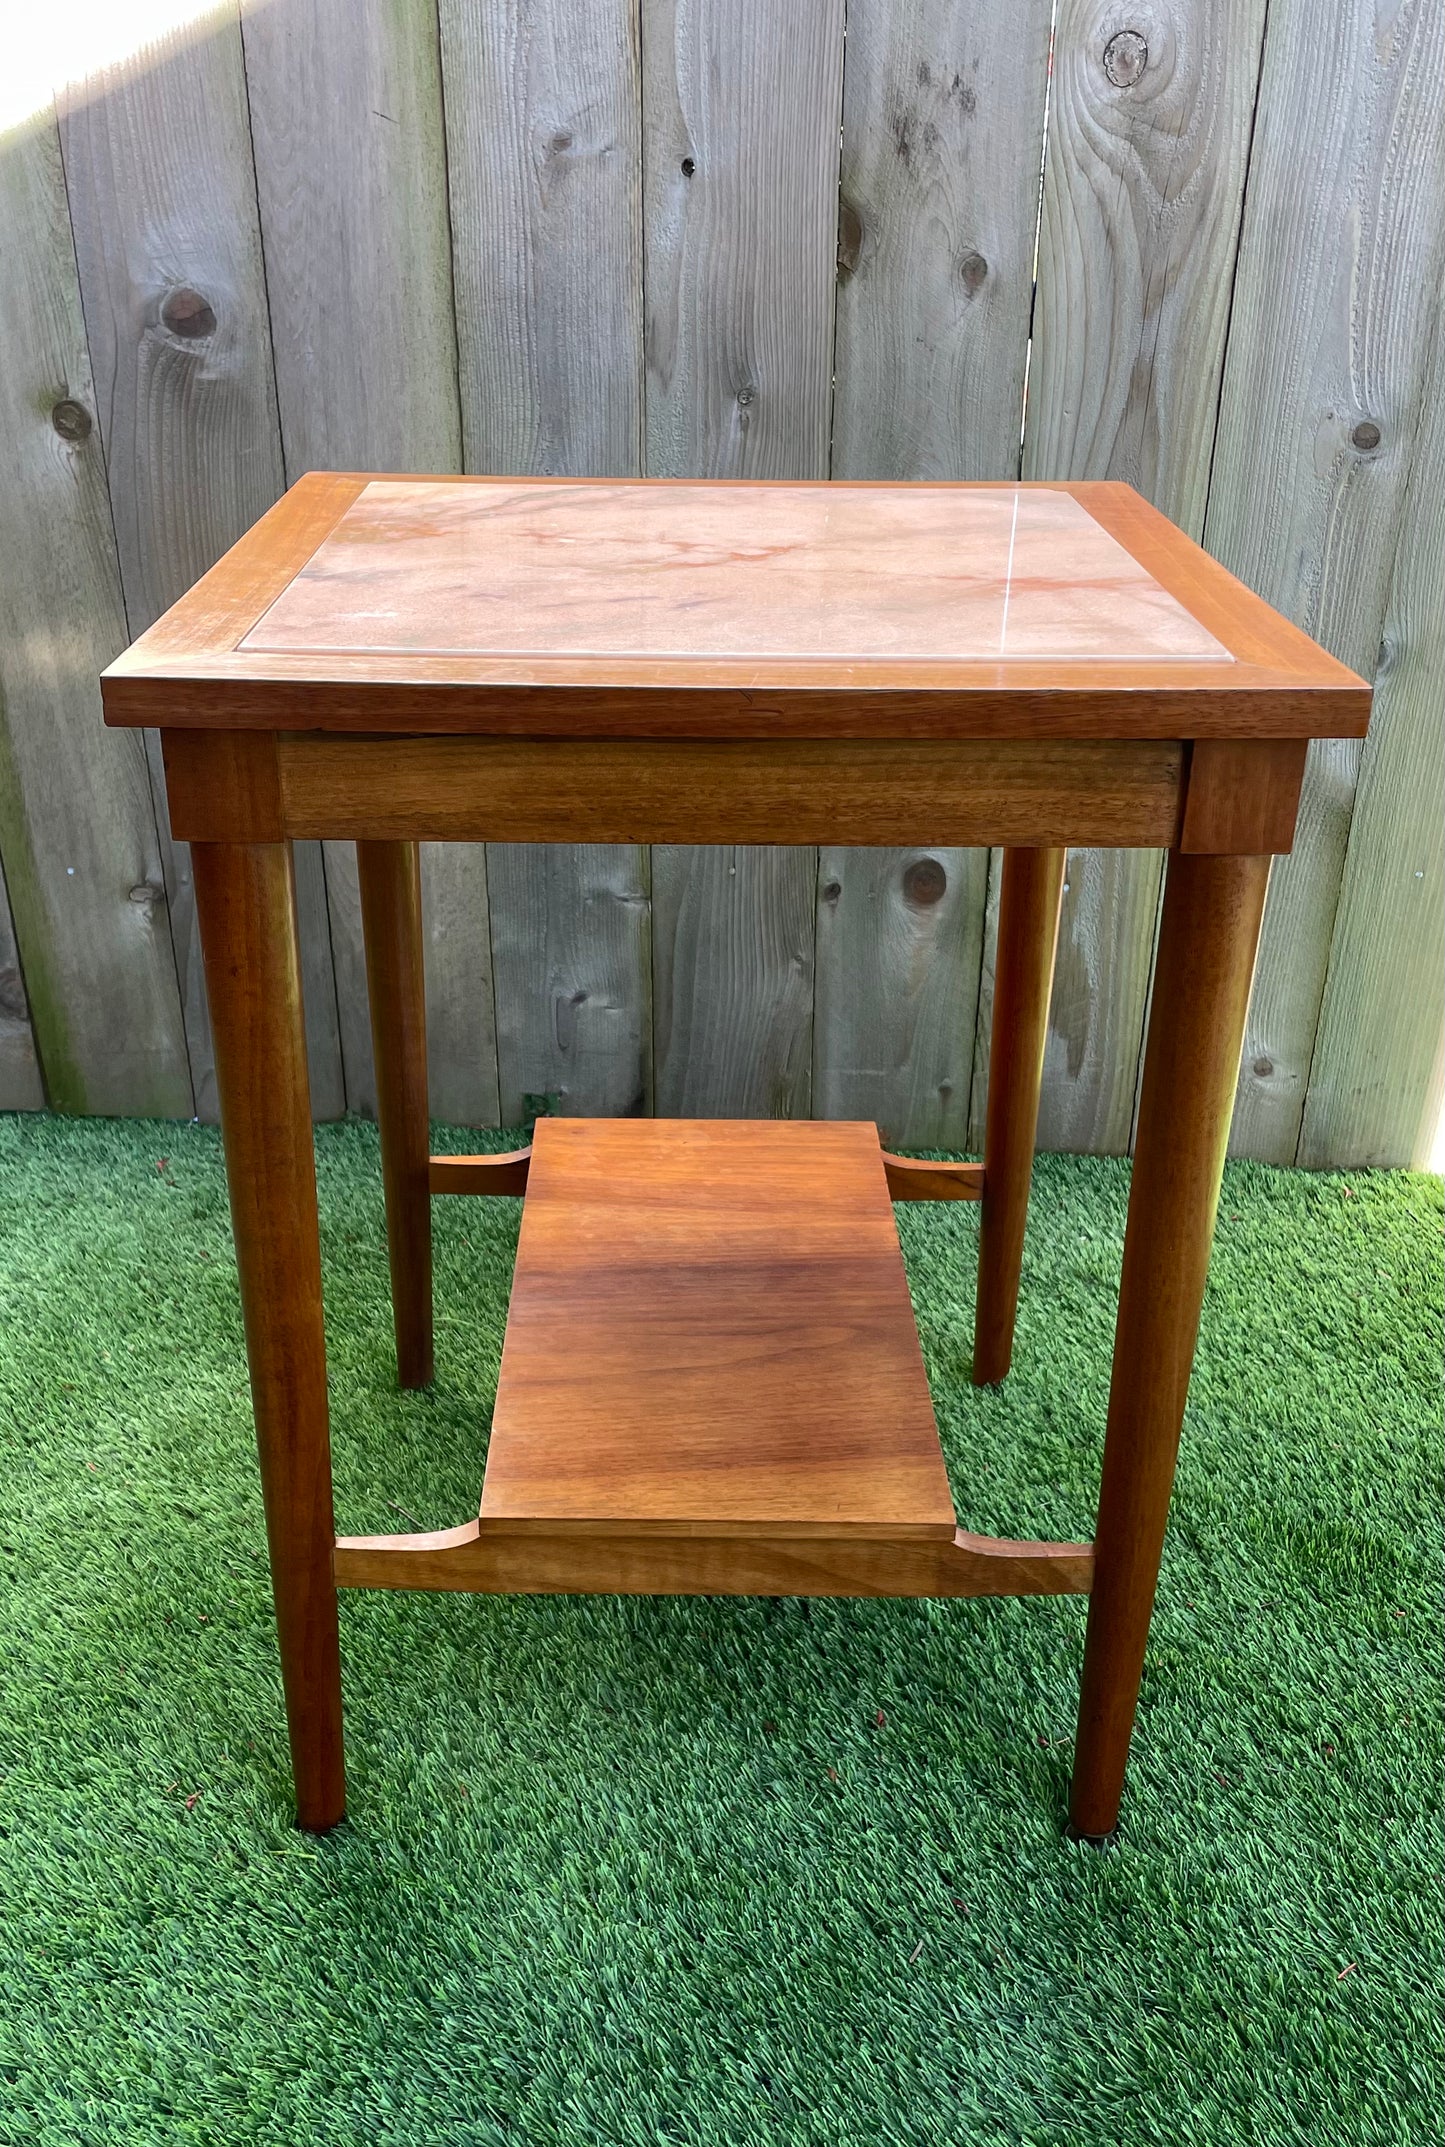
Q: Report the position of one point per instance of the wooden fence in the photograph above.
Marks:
(726, 237)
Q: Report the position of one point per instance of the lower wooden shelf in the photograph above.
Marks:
(711, 1384)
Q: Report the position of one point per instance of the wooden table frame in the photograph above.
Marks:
(261, 752)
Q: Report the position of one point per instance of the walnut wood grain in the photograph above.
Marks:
(910, 1179)
(489, 1557)
(710, 1322)
(659, 790)
(246, 906)
(481, 1174)
(221, 607)
(1207, 942)
(1242, 795)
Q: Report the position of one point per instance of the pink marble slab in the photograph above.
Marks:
(849, 571)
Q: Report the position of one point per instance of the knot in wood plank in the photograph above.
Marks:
(1125, 58)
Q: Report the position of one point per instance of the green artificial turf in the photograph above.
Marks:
(714, 1871)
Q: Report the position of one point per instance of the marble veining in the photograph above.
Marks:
(853, 572)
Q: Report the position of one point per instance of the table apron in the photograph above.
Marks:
(260, 787)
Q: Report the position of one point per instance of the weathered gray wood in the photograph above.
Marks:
(1089, 1076)
(943, 116)
(1378, 1077)
(460, 1007)
(741, 110)
(162, 196)
(543, 118)
(943, 112)
(1149, 136)
(346, 112)
(1101, 987)
(1339, 274)
(899, 942)
(543, 121)
(1149, 142)
(77, 826)
(21, 1088)
(741, 107)
(588, 1051)
(456, 947)
(733, 943)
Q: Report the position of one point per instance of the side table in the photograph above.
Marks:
(711, 1382)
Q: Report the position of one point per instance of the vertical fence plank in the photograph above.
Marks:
(162, 196)
(733, 961)
(1339, 274)
(1149, 135)
(1376, 1082)
(21, 1088)
(571, 959)
(544, 164)
(351, 164)
(741, 110)
(899, 943)
(943, 115)
(943, 120)
(575, 923)
(346, 113)
(77, 825)
(461, 1032)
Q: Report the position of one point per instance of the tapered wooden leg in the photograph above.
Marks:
(1207, 944)
(390, 877)
(1028, 935)
(245, 904)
